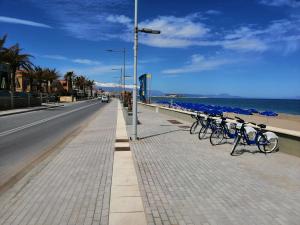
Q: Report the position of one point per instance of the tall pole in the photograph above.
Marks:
(134, 109)
(121, 75)
(124, 51)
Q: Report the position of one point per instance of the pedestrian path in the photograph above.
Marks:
(187, 181)
(72, 187)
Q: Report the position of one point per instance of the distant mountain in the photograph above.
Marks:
(111, 88)
(201, 96)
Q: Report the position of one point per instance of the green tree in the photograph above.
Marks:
(69, 77)
(16, 61)
(90, 84)
(2, 48)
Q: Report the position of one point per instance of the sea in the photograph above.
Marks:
(287, 106)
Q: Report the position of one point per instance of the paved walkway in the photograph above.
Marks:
(72, 187)
(187, 181)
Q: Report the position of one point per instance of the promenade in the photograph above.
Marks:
(187, 181)
(181, 180)
(72, 186)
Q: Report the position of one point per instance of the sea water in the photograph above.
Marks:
(288, 106)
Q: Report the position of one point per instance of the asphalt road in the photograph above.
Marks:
(25, 136)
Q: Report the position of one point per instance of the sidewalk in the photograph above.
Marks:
(187, 181)
(71, 187)
(182, 181)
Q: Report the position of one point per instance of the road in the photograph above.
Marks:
(24, 137)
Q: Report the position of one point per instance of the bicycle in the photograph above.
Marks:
(224, 130)
(210, 124)
(200, 120)
(266, 142)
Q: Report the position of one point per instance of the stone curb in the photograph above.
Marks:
(30, 110)
(126, 204)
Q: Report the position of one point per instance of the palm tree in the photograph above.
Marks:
(38, 75)
(2, 49)
(81, 83)
(16, 61)
(90, 84)
(69, 77)
(50, 75)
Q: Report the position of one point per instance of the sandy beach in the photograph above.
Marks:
(285, 121)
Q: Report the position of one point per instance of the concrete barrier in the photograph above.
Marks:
(289, 140)
(67, 99)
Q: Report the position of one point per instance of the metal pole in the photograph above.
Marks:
(121, 84)
(134, 108)
(124, 51)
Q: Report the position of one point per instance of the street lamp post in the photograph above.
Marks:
(136, 31)
(124, 64)
(120, 79)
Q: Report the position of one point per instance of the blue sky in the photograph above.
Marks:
(249, 48)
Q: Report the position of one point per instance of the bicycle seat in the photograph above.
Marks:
(238, 119)
(261, 125)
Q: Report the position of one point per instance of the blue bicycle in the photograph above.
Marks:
(200, 122)
(224, 130)
(209, 126)
(265, 141)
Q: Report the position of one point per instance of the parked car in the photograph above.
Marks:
(105, 98)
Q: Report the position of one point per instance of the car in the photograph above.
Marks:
(104, 98)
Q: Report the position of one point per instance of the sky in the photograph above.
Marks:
(248, 48)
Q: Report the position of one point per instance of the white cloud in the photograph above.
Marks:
(56, 57)
(119, 19)
(86, 61)
(199, 63)
(109, 20)
(111, 85)
(79, 60)
(175, 31)
(291, 3)
(87, 19)
(280, 35)
(246, 45)
(106, 84)
(213, 12)
(5, 19)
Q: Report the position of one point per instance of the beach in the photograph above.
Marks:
(284, 121)
(288, 110)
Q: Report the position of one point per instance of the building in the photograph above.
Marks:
(4, 77)
(23, 83)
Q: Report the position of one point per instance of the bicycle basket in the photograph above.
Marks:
(239, 126)
(218, 121)
(251, 132)
(270, 136)
(230, 125)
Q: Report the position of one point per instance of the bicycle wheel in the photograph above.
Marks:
(217, 136)
(235, 144)
(194, 127)
(202, 133)
(266, 146)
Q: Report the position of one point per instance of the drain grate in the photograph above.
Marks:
(174, 122)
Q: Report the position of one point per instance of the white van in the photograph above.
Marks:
(104, 98)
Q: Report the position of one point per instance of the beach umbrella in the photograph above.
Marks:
(268, 113)
(253, 110)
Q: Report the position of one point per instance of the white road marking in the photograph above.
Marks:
(5, 133)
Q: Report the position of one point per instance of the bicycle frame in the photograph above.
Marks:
(245, 137)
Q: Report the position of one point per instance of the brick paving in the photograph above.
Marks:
(73, 187)
(187, 181)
